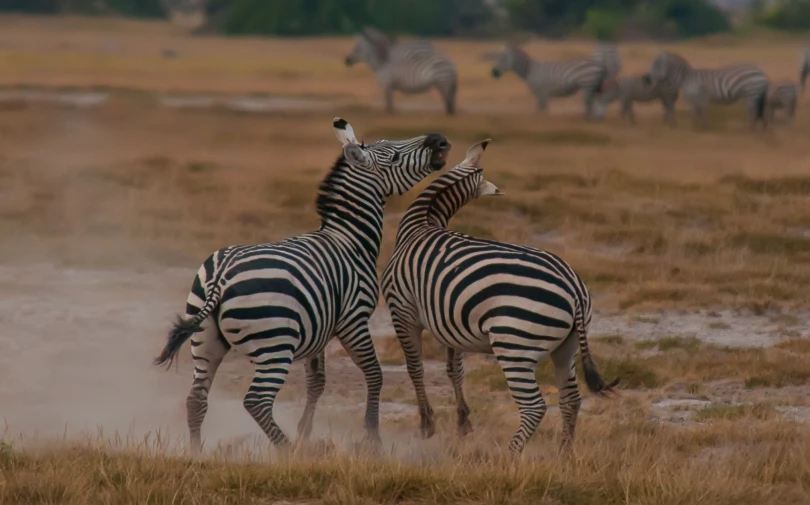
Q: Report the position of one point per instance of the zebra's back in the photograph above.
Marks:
(564, 78)
(415, 66)
(727, 84)
(463, 287)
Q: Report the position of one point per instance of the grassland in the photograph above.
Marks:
(653, 218)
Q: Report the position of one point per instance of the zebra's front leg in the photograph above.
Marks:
(455, 371)
(207, 350)
(410, 339)
(316, 383)
(587, 98)
(359, 346)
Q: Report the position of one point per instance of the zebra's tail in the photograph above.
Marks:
(596, 383)
(183, 329)
(804, 73)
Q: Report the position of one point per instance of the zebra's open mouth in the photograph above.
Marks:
(438, 160)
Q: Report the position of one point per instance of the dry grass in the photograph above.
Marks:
(651, 217)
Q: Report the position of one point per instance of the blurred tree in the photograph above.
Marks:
(31, 6)
(791, 15)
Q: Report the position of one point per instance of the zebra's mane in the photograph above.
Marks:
(326, 191)
(440, 190)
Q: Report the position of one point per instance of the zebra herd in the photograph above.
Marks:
(416, 66)
(281, 302)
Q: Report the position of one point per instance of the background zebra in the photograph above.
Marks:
(410, 67)
(608, 56)
(782, 95)
(281, 302)
(548, 79)
(702, 87)
(636, 88)
(475, 295)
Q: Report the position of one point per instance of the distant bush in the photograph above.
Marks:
(690, 18)
(603, 25)
(793, 15)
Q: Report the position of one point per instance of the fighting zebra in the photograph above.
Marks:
(550, 79)
(474, 295)
(782, 95)
(410, 67)
(637, 88)
(282, 302)
(701, 87)
(804, 71)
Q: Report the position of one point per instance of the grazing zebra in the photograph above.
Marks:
(637, 88)
(702, 87)
(548, 79)
(410, 67)
(474, 295)
(782, 95)
(282, 302)
(805, 66)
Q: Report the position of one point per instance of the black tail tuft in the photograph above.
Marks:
(181, 331)
(596, 384)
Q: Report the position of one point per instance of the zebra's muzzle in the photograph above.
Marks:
(440, 146)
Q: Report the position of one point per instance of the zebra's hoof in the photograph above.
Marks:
(428, 431)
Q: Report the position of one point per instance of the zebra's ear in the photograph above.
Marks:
(356, 156)
(344, 131)
(486, 188)
(474, 153)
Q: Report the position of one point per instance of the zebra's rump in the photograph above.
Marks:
(729, 84)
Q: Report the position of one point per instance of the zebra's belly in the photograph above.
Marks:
(413, 88)
(271, 323)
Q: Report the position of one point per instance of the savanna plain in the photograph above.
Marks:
(129, 151)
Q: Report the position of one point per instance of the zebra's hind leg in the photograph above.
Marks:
(564, 359)
(272, 368)
(669, 111)
(358, 344)
(519, 366)
(455, 371)
(316, 383)
(208, 347)
(410, 339)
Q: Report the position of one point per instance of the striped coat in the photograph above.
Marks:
(520, 304)
(282, 302)
(637, 88)
(410, 67)
(701, 87)
(549, 79)
(782, 95)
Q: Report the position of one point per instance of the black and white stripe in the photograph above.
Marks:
(281, 302)
(410, 67)
(550, 79)
(607, 54)
(701, 87)
(782, 95)
(637, 88)
(518, 303)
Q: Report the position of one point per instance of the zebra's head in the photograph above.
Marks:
(471, 174)
(370, 47)
(399, 164)
(665, 66)
(511, 58)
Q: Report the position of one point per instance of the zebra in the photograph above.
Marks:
(518, 303)
(782, 95)
(548, 79)
(282, 302)
(637, 88)
(701, 87)
(410, 67)
(608, 55)
(804, 70)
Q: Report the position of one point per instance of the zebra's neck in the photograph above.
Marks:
(680, 69)
(351, 204)
(377, 57)
(521, 64)
(438, 203)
